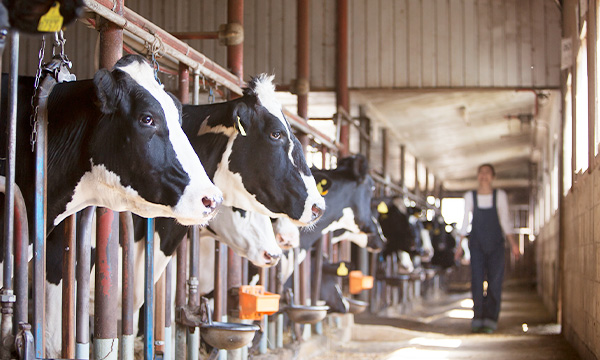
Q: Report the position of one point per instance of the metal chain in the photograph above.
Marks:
(33, 119)
(154, 52)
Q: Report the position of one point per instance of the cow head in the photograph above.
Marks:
(139, 153)
(352, 188)
(286, 233)
(263, 168)
(249, 234)
(395, 225)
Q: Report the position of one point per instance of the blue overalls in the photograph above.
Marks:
(486, 243)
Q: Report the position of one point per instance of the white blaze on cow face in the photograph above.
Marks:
(250, 235)
(190, 209)
(265, 91)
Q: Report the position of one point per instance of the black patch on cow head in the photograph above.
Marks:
(396, 228)
(134, 126)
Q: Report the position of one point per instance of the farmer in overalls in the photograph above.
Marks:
(490, 223)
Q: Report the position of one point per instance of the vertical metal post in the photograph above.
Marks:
(83, 248)
(384, 152)
(7, 297)
(180, 294)
(342, 94)
(417, 187)
(235, 53)
(148, 291)
(193, 338)
(39, 246)
(264, 281)
(159, 317)
(318, 274)
(184, 83)
(402, 165)
(127, 241)
(68, 289)
(303, 57)
(220, 275)
(168, 314)
(21, 260)
(106, 301)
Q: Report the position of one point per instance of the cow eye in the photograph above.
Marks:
(276, 135)
(147, 120)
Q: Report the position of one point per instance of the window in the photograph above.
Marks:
(568, 139)
(581, 109)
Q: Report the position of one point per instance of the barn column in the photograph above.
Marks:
(402, 166)
(193, 340)
(106, 300)
(342, 95)
(127, 241)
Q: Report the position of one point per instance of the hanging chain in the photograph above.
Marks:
(33, 119)
(154, 52)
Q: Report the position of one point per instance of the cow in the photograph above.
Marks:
(443, 243)
(113, 141)
(250, 152)
(395, 226)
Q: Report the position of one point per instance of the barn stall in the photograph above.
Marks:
(427, 90)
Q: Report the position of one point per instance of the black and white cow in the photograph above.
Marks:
(443, 242)
(114, 141)
(395, 226)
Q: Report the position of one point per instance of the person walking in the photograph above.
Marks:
(489, 225)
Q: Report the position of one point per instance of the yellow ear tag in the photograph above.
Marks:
(320, 186)
(382, 208)
(242, 131)
(342, 269)
(52, 20)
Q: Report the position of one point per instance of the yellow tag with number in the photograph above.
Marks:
(51, 21)
(382, 208)
(342, 269)
(242, 131)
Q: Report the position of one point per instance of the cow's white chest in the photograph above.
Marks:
(359, 239)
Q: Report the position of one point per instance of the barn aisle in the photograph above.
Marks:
(440, 330)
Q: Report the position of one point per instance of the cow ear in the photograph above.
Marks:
(240, 118)
(177, 105)
(107, 91)
(360, 167)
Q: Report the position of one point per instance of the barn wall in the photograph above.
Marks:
(392, 43)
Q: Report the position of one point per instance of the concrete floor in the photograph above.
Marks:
(440, 330)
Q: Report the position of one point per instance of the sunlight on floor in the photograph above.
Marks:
(418, 354)
(446, 343)
(467, 303)
(460, 314)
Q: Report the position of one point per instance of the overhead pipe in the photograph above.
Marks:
(83, 248)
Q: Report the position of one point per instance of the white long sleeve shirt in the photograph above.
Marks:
(486, 202)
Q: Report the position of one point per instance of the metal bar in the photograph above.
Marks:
(7, 297)
(181, 51)
(39, 245)
(68, 289)
(384, 152)
(21, 235)
(235, 53)
(196, 35)
(220, 274)
(302, 125)
(342, 93)
(159, 316)
(184, 83)
(168, 313)
(83, 248)
(264, 281)
(127, 241)
(193, 294)
(303, 56)
(106, 301)
(318, 274)
(148, 291)
(373, 293)
(402, 165)
(180, 294)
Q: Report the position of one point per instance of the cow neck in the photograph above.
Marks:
(207, 128)
(335, 201)
(69, 125)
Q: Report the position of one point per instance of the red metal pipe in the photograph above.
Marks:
(184, 83)
(342, 94)
(127, 239)
(180, 330)
(235, 53)
(68, 290)
(197, 35)
(303, 57)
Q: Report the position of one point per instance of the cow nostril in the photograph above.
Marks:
(210, 203)
(270, 258)
(316, 212)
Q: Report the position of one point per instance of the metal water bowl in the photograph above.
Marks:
(302, 314)
(228, 336)
(356, 306)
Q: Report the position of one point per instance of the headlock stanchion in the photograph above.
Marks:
(168, 305)
(7, 297)
(148, 291)
(193, 338)
(82, 345)
(127, 239)
(106, 296)
(68, 289)
(180, 294)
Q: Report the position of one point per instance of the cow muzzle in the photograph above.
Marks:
(271, 259)
(317, 212)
